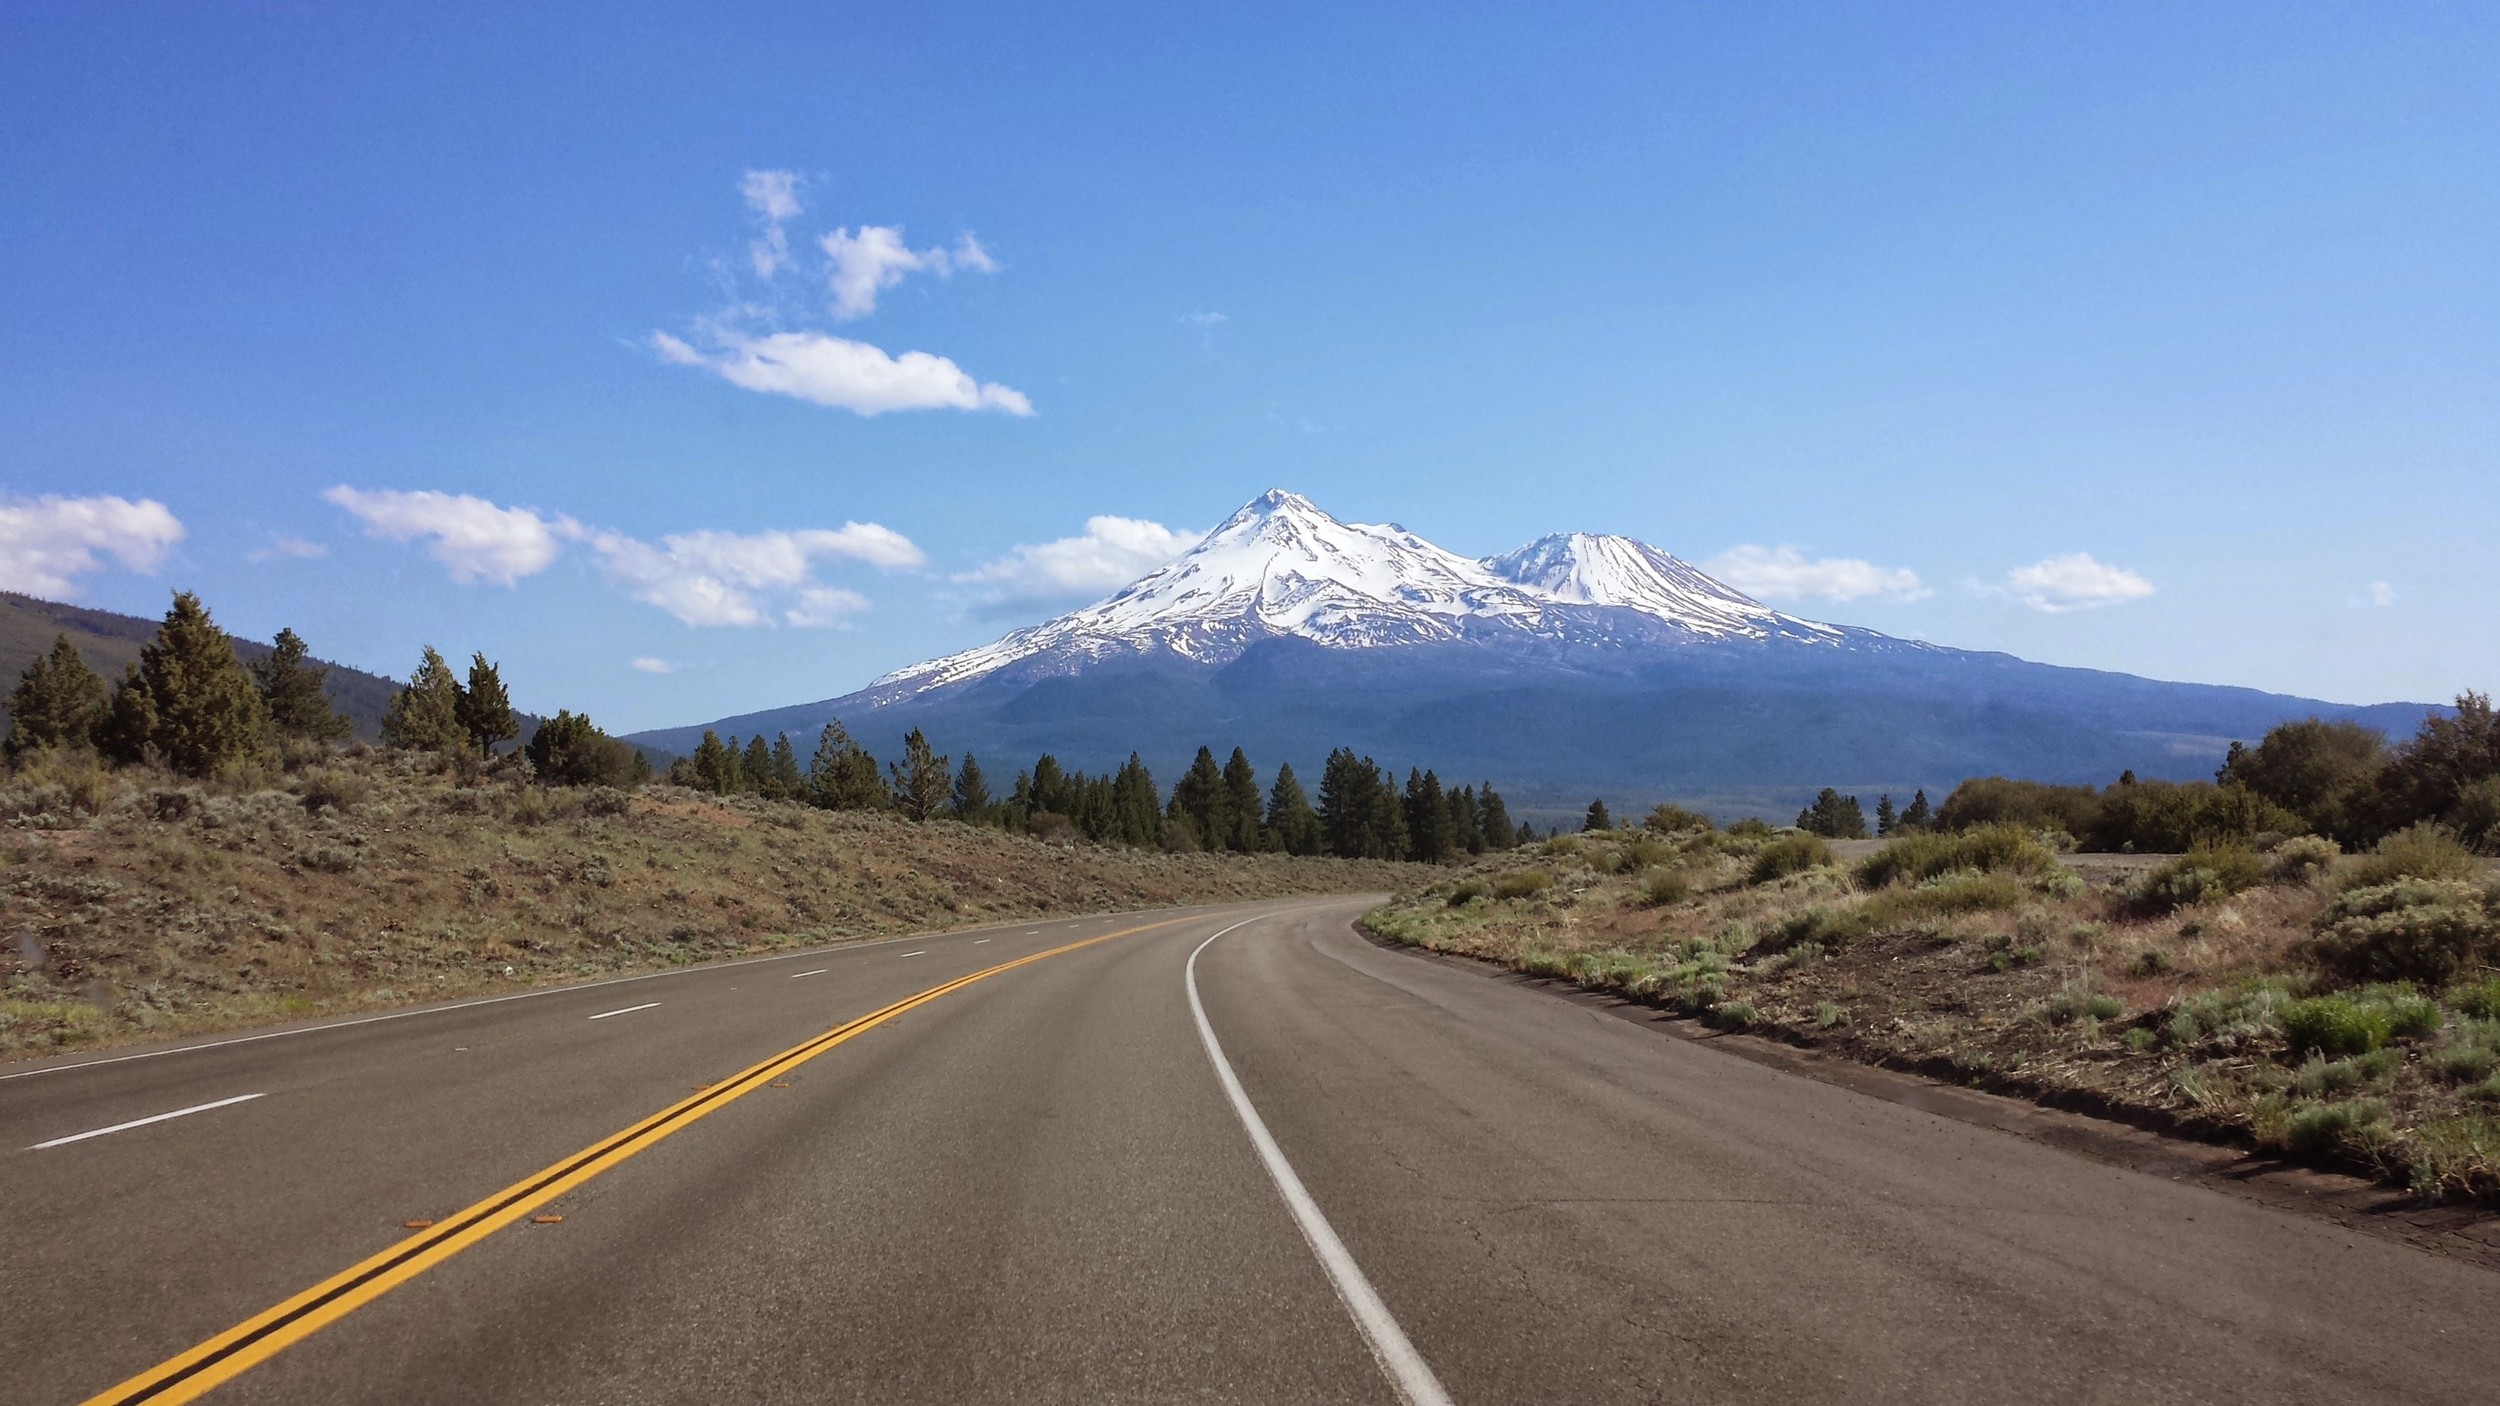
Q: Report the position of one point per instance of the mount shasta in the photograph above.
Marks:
(1579, 664)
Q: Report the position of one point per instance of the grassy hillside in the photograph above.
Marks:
(2341, 1008)
(110, 642)
(139, 906)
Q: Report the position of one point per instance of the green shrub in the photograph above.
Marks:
(2152, 961)
(1674, 820)
(2327, 1127)
(1789, 854)
(2335, 1026)
(2203, 874)
(1467, 891)
(2456, 1154)
(2424, 851)
(1987, 849)
(1964, 893)
(2301, 859)
(2412, 929)
(1750, 828)
(1827, 1015)
(2323, 1076)
(1664, 887)
(2480, 999)
(1734, 1015)
(2077, 999)
(2461, 1062)
(1524, 883)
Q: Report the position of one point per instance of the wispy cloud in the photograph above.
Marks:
(704, 578)
(875, 258)
(477, 540)
(773, 197)
(2074, 581)
(293, 547)
(648, 665)
(1787, 573)
(823, 369)
(2378, 595)
(1110, 553)
(47, 543)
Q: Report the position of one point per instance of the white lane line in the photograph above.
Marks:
(1405, 1368)
(143, 1122)
(820, 971)
(629, 1010)
(979, 940)
(923, 952)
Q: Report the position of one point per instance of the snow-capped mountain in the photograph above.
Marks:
(1283, 568)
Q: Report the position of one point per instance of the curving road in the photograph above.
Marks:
(1301, 1168)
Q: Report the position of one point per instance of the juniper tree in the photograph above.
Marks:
(425, 716)
(126, 731)
(920, 780)
(485, 710)
(58, 701)
(290, 686)
(570, 750)
(1291, 822)
(200, 709)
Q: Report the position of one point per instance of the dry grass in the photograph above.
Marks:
(134, 906)
(2028, 976)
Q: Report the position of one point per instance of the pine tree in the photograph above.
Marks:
(1053, 793)
(204, 710)
(485, 708)
(58, 702)
(1466, 833)
(787, 782)
(1391, 838)
(570, 750)
(920, 780)
(1241, 802)
(1199, 795)
(715, 765)
(1917, 816)
(1136, 807)
(1886, 820)
(755, 767)
(425, 716)
(1427, 819)
(290, 687)
(1834, 816)
(1527, 835)
(127, 730)
(1346, 793)
(842, 776)
(1597, 818)
(1290, 818)
(1493, 818)
(971, 799)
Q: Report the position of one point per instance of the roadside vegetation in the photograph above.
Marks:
(2270, 986)
(198, 847)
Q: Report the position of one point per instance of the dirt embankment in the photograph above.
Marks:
(134, 906)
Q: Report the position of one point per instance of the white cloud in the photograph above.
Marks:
(773, 196)
(971, 256)
(1112, 552)
(1786, 573)
(876, 258)
(48, 542)
(1204, 319)
(2074, 581)
(730, 578)
(835, 371)
(289, 547)
(648, 665)
(2377, 596)
(476, 539)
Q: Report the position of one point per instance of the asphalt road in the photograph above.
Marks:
(1038, 1187)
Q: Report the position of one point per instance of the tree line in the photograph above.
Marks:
(1361, 812)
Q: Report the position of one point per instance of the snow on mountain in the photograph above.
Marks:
(1282, 567)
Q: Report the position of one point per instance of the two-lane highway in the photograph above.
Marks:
(1224, 1154)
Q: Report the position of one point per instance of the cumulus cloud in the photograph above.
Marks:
(1786, 573)
(875, 258)
(477, 540)
(835, 371)
(732, 578)
(773, 197)
(296, 547)
(47, 543)
(648, 665)
(2074, 581)
(1111, 552)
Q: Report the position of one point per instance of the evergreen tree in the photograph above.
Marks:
(1053, 792)
(1834, 816)
(1466, 832)
(204, 712)
(1427, 819)
(755, 767)
(58, 702)
(788, 783)
(485, 710)
(1241, 805)
(1917, 816)
(1136, 807)
(971, 799)
(1527, 834)
(921, 780)
(1348, 789)
(1493, 818)
(1392, 839)
(291, 690)
(1290, 819)
(425, 716)
(1199, 795)
(1597, 818)
(715, 765)
(570, 750)
(1886, 820)
(127, 730)
(842, 776)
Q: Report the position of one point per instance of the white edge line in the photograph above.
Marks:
(820, 971)
(979, 940)
(143, 1122)
(923, 952)
(626, 1010)
(1405, 1368)
(801, 955)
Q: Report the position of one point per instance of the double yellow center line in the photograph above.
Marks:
(265, 1335)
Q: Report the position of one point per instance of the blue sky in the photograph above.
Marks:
(2158, 338)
